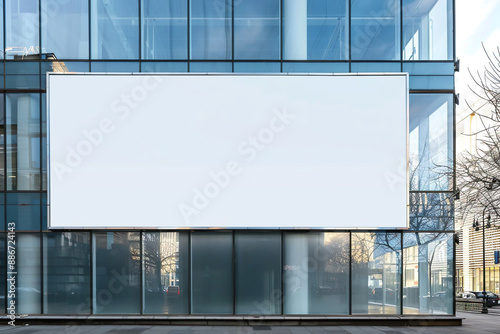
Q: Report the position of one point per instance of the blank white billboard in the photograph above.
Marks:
(227, 151)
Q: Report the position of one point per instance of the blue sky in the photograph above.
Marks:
(476, 21)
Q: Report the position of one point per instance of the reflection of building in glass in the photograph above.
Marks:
(230, 272)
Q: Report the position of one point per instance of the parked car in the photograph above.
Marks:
(173, 291)
(466, 295)
(491, 298)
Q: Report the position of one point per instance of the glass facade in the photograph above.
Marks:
(230, 272)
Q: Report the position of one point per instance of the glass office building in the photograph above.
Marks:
(229, 271)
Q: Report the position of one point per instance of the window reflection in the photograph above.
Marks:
(375, 30)
(431, 141)
(427, 30)
(66, 272)
(376, 273)
(166, 287)
(211, 32)
(257, 29)
(23, 141)
(164, 29)
(21, 27)
(316, 273)
(116, 273)
(57, 39)
(428, 273)
(115, 29)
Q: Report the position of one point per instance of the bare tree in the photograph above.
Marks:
(478, 170)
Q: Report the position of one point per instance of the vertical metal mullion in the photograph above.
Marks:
(139, 56)
(349, 43)
(234, 271)
(91, 271)
(401, 300)
(232, 37)
(401, 37)
(89, 16)
(141, 273)
(188, 278)
(281, 55)
(188, 15)
(282, 292)
(350, 272)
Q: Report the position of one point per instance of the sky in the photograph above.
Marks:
(477, 21)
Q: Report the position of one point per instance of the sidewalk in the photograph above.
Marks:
(473, 322)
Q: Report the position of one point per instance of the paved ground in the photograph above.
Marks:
(473, 323)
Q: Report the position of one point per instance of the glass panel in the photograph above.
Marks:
(211, 35)
(116, 261)
(164, 29)
(1, 30)
(3, 271)
(115, 29)
(211, 273)
(266, 67)
(66, 273)
(316, 67)
(166, 281)
(23, 141)
(28, 289)
(375, 30)
(426, 68)
(22, 75)
(211, 67)
(24, 210)
(258, 273)
(257, 29)
(431, 211)
(2, 143)
(164, 67)
(316, 273)
(432, 82)
(114, 66)
(315, 30)
(428, 273)
(431, 141)
(427, 30)
(375, 67)
(376, 273)
(44, 144)
(57, 39)
(21, 29)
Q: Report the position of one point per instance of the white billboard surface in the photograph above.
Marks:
(227, 151)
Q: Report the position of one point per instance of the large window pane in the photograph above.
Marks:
(428, 273)
(431, 141)
(432, 211)
(427, 30)
(115, 29)
(316, 273)
(116, 272)
(28, 290)
(315, 29)
(164, 29)
(211, 273)
(24, 210)
(3, 278)
(65, 43)
(257, 29)
(375, 30)
(211, 29)
(376, 273)
(258, 273)
(166, 282)
(21, 28)
(23, 141)
(2, 143)
(66, 273)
